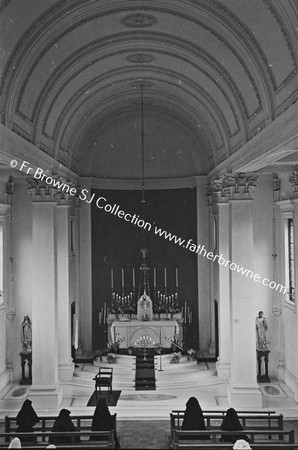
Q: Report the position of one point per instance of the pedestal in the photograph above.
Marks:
(263, 354)
(26, 356)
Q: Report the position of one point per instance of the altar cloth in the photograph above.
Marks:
(159, 331)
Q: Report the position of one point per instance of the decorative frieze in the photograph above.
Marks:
(232, 187)
(294, 182)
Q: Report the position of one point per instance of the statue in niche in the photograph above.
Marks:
(26, 334)
(145, 311)
(261, 329)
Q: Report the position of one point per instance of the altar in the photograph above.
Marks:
(159, 331)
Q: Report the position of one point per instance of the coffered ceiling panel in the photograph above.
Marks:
(215, 73)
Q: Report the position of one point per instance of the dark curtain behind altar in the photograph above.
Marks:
(116, 244)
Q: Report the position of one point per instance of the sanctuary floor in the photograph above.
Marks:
(139, 411)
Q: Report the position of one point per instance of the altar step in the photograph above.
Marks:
(145, 373)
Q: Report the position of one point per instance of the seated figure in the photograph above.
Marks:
(63, 423)
(103, 421)
(26, 419)
(193, 418)
(231, 422)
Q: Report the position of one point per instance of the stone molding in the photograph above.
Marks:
(231, 187)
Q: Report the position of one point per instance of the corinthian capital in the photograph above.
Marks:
(232, 187)
(40, 191)
(241, 186)
(294, 182)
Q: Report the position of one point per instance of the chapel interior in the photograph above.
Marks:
(122, 117)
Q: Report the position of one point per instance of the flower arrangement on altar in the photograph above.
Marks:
(175, 358)
(191, 354)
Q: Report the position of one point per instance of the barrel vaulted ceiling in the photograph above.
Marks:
(215, 73)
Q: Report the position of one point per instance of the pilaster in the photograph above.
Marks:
(45, 390)
(85, 263)
(65, 364)
(232, 196)
(204, 301)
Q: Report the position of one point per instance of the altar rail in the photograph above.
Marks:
(259, 440)
(40, 439)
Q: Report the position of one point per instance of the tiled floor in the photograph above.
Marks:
(143, 416)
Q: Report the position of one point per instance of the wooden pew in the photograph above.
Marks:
(249, 421)
(81, 422)
(40, 439)
(270, 440)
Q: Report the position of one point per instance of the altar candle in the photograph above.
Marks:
(176, 276)
(165, 273)
(185, 311)
(154, 277)
(133, 278)
(123, 278)
(112, 279)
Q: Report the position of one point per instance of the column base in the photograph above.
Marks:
(223, 370)
(45, 396)
(5, 378)
(65, 371)
(288, 378)
(244, 396)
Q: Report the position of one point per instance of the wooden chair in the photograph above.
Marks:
(104, 379)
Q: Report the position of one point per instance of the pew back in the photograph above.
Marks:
(258, 439)
(80, 439)
(248, 421)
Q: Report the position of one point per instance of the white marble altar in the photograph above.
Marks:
(157, 330)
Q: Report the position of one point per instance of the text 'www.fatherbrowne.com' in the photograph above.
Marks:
(102, 203)
(201, 250)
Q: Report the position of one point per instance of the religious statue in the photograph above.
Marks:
(26, 334)
(144, 309)
(261, 329)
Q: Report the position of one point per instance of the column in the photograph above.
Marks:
(65, 364)
(212, 273)
(85, 301)
(6, 313)
(294, 181)
(45, 391)
(204, 308)
(223, 364)
(243, 390)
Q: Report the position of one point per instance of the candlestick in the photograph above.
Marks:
(112, 280)
(122, 278)
(154, 277)
(133, 278)
(165, 273)
(176, 276)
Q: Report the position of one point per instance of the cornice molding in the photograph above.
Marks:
(151, 184)
(15, 147)
(278, 139)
